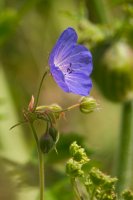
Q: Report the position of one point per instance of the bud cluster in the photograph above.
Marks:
(50, 114)
(75, 164)
(104, 185)
(78, 153)
(99, 186)
(74, 169)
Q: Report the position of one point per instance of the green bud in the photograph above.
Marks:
(111, 196)
(78, 153)
(101, 179)
(73, 168)
(109, 183)
(127, 195)
(54, 134)
(46, 143)
(88, 185)
(96, 176)
(56, 109)
(115, 73)
(87, 105)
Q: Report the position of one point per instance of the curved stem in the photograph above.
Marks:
(125, 154)
(41, 163)
(38, 94)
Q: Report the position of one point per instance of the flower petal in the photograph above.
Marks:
(79, 83)
(71, 64)
(80, 59)
(63, 46)
(59, 78)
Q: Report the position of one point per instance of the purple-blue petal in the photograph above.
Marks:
(63, 46)
(59, 78)
(80, 59)
(79, 83)
(71, 64)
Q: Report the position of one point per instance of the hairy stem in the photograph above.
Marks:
(41, 163)
(125, 154)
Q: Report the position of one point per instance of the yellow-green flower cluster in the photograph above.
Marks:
(75, 164)
(99, 186)
(104, 185)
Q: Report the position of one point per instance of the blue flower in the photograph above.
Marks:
(71, 64)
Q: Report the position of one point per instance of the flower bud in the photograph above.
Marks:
(96, 176)
(115, 73)
(54, 112)
(46, 143)
(87, 105)
(109, 183)
(73, 168)
(31, 104)
(102, 180)
(110, 196)
(56, 109)
(54, 134)
(78, 153)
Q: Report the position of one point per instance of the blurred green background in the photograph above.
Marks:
(28, 31)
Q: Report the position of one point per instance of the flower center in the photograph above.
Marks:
(66, 68)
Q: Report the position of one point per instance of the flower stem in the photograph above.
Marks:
(93, 194)
(38, 94)
(41, 162)
(63, 110)
(75, 188)
(125, 154)
(41, 173)
(72, 107)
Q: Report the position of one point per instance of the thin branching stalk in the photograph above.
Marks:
(38, 94)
